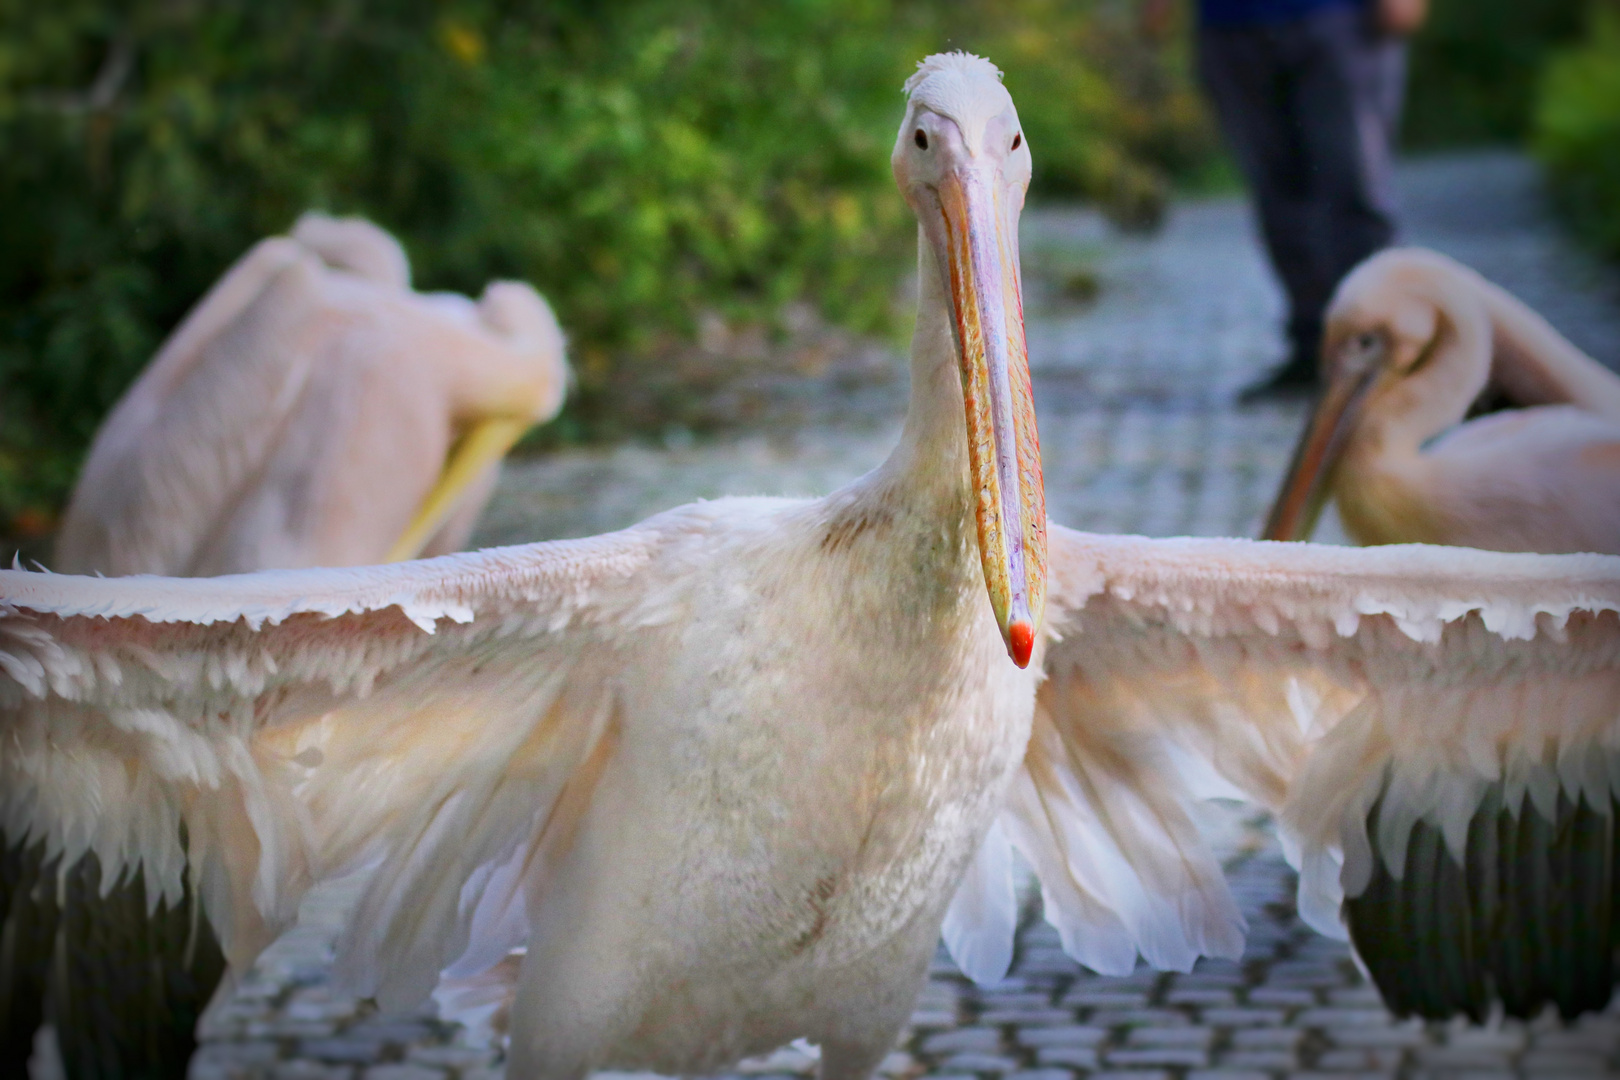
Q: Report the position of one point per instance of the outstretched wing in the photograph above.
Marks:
(1430, 723)
(440, 721)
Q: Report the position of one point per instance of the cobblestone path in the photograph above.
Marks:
(1140, 434)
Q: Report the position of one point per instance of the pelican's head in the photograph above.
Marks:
(962, 163)
(1385, 321)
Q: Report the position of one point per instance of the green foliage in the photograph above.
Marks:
(1475, 64)
(1577, 131)
(640, 162)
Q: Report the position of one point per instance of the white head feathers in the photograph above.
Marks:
(963, 87)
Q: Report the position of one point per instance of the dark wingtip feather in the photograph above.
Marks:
(1529, 917)
(127, 988)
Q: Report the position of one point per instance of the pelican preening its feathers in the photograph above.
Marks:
(1412, 339)
(728, 774)
(312, 410)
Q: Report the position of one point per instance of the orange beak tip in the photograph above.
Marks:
(1020, 642)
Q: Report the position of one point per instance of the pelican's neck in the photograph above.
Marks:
(931, 460)
(1537, 365)
(1436, 395)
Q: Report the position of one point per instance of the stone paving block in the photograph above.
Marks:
(1305, 976)
(1168, 1056)
(976, 1039)
(1457, 1058)
(979, 1063)
(1540, 1063)
(1601, 1036)
(1365, 995)
(1106, 999)
(1187, 996)
(1507, 1039)
(1358, 1061)
(1267, 1038)
(1336, 1017)
(1148, 1017)
(1045, 1015)
(1267, 1060)
(1014, 999)
(1052, 961)
(1042, 1074)
(343, 1049)
(1206, 979)
(1244, 1017)
(1070, 1035)
(1186, 1036)
(1079, 1057)
(1133, 1074)
(404, 1072)
(450, 1056)
(1287, 997)
(288, 1028)
(237, 1061)
(310, 1070)
(1227, 1074)
(1373, 1037)
(314, 1003)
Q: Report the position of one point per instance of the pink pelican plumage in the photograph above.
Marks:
(728, 775)
(1412, 339)
(313, 410)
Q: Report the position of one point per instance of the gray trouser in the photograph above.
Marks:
(1310, 108)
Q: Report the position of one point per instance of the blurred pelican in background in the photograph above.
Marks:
(1412, 340)
(311, 410)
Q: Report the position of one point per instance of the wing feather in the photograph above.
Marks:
(983, 917)
(1320, 681)
(437, 721)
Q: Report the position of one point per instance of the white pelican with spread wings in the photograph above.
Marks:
(726, 775)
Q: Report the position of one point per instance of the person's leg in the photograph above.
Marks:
(1252, 89)
(1350, 87)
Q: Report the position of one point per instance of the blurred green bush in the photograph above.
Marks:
(1577, 130)
(1474, 68)
(639, 161)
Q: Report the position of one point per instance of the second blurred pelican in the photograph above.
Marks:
(1413, 338)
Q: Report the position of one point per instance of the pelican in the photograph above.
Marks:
(311, 411)
(726, 776)
(1412, 339)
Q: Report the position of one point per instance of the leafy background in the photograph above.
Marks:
(652, 166)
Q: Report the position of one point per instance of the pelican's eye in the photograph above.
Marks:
(1367, 341)
(1018, 140)
(921, 139)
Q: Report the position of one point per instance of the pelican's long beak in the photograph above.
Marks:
(1003, 447)
(1305, 488)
